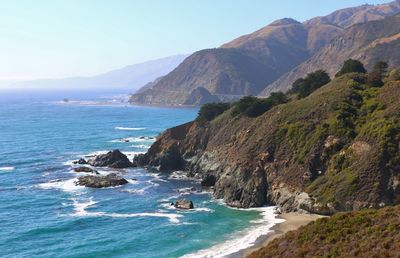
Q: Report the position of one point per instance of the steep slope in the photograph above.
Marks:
(271, 52)
(226, 73)
(127, 79)
(335, 150)
(368, 42)
(367, 233)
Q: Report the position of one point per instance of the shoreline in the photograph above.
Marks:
(292, 221)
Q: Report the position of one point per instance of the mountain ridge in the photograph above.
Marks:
(279, 48)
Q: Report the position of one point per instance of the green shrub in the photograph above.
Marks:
(254, 107)
(210, 111)
(305, 86)
(375, 77)
(351, 66)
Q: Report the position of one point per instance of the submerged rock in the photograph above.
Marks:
(184, 204)
(85, 169)
(112, 159)
(101, 181)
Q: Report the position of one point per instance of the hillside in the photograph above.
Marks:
(248, 64)
(126, 79)
(335, 150)
(227, 73)
(367, 233)
(368, 42)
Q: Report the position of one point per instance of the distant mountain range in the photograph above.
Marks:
(271, 58)
(126, 79)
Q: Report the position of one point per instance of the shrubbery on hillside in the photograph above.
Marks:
(367, 233)
(253, 107)
(375, 77)
(305, 86)
(210, 111)
(351, 66)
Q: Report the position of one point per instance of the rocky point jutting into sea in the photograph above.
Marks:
(335, 150)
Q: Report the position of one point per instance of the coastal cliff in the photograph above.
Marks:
(335, 150)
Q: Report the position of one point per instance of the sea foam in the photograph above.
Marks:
(241, 240)
(80, 211)
(5, 169)
(66, 186)
(129, 128)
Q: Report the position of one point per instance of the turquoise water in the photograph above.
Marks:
(43, 214)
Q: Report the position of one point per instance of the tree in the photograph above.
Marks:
(305, 86)
(375, 77)
(254, 107)
(210, 111)
(351, 66)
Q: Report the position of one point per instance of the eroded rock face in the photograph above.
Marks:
(109, 180)
(184, 204)
(112, 159)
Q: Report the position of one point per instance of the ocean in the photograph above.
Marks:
(44, 214)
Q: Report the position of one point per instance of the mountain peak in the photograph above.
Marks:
(284, 21)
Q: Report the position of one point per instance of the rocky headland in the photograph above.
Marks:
(335, 150)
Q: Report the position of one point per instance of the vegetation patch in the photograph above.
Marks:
(366, 233)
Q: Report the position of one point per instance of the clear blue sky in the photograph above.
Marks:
(58, 38)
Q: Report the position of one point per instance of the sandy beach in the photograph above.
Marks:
(292, 222)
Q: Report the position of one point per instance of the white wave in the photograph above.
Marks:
(136, 191)
(7, 168)
(69, 162)
(67, 185)
(80, 211)
(140, 146)
(157, 177)
(203, 209)
(241, 240)
(129, 128)
(144, 139)
(178, 175)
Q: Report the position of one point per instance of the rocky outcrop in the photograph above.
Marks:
(112, 159)
(80, 161)
(109, 180)
(299, 156)
(85, 170)
(184, 204)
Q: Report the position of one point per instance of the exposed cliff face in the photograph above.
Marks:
(334, 150)
(250, 64)
(225, 73)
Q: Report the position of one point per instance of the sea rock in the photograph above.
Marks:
(85, 169)
(184, 204)
(101, 181)
(80, 161)
(112, 159)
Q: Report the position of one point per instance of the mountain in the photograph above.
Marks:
(126, 79)
(335, 150)
(367, 42)
(250, 63)
(226, 73)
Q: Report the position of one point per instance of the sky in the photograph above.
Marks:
(62, 38)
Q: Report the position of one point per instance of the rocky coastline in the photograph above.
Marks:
(291, 156)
